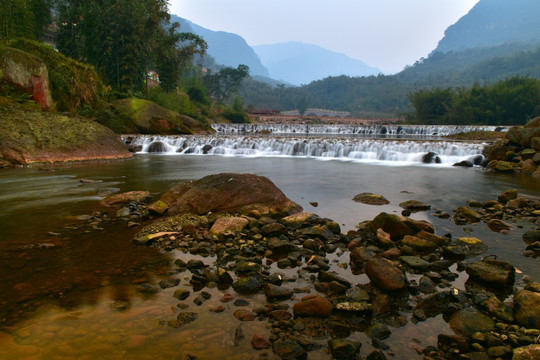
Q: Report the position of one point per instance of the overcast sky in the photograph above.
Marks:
(388, 34)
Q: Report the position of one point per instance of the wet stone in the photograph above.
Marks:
(469, 321)
(343, 349)
(183, 318)
(169, 283)
(289, 349)
(259, 342)
(244, 315)
(277, 292)
(415, 262)
(181, 294)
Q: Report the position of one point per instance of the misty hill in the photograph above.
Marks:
(494, 22)
(226, 48)
(299, 63)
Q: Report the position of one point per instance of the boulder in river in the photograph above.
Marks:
(229, 193)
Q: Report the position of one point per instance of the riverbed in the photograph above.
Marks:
(70, 290)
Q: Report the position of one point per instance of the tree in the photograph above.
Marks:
(118, 37)
(24, 19)
(226, 82)
(174, 51)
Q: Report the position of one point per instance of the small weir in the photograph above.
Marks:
(386, 130)
(348, 149)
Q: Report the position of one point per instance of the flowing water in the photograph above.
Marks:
(69, 288)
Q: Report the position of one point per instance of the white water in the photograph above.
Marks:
(387, 130)
(391, 152)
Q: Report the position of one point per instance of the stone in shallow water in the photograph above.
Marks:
(392, 225)
(183, 318)
(343, 349)
(313, 305)
(494, 273)
(371, 199)
(527, 309)
(277, 292)
(415, 262)
(468, 321)
(386, 275)
(415, 205)
(289, 349)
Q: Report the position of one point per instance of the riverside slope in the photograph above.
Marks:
(28, 135)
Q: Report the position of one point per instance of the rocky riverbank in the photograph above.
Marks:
(399, 272)
(518, 152)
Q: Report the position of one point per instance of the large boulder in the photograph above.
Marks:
(29, 73)
(229, 193)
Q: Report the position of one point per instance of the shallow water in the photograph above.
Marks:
(75, 296)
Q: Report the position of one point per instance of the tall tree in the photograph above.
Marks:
(24, 18)
(118, 37)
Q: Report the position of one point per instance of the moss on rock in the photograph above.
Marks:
(28, 135)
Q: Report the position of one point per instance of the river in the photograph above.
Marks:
(69, 288)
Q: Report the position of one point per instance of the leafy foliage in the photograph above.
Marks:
(226, 82)
(508, 102)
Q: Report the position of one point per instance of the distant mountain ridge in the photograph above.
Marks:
(226, 48)
(300, 63)
(492, 23)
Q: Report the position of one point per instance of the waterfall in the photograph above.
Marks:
(387, 130)
(350, 149)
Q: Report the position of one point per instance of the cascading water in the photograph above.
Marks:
(386, 130)
(350, 149)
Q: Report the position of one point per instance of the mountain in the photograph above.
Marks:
(226, 48)
(493, 22)
(299, 63)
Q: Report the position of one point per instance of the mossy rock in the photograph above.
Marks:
(151, 118)
(29, 135)
(73, 84)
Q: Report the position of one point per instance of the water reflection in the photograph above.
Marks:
(66, 292)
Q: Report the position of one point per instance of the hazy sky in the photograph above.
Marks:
(388, 34)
